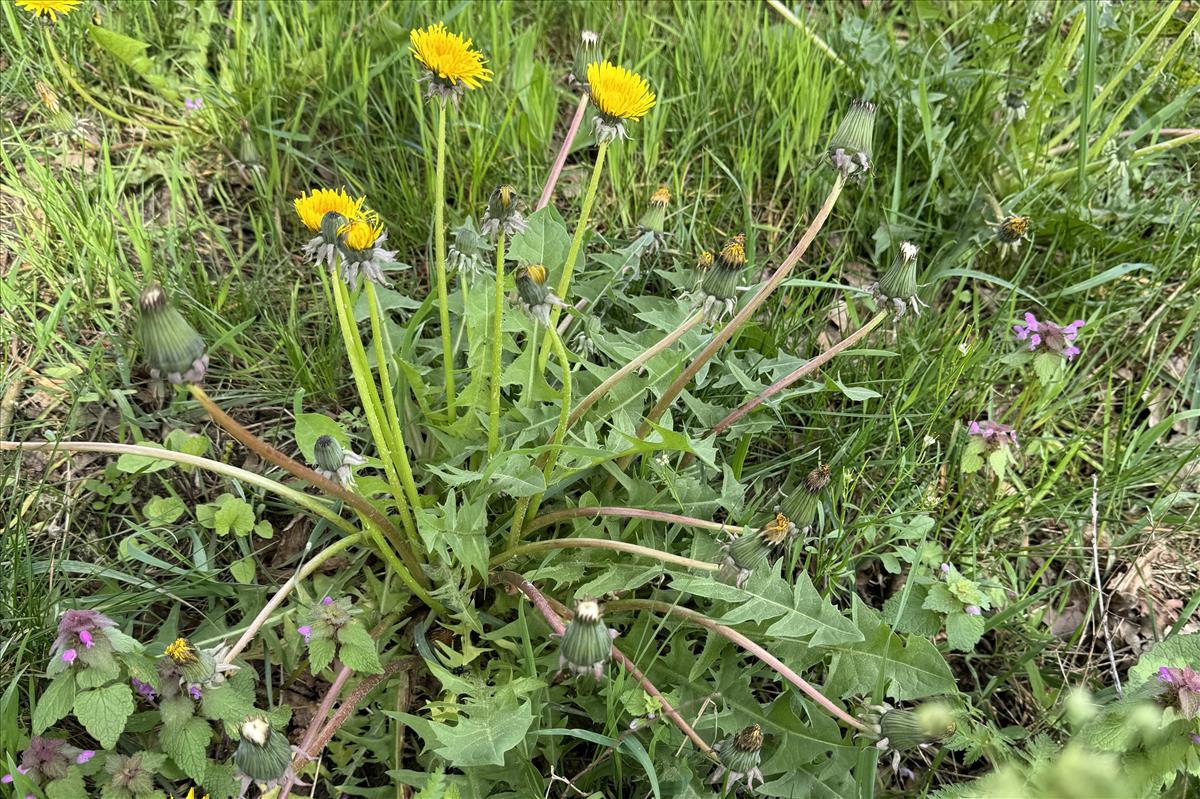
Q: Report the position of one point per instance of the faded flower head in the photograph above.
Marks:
(533, 294)
(1048, 336)
(451, 63)
(903, 730)
(801, 505)
(48, 8)
(1015, 106)
(171, 347)
(1011, 230)
(468, 251)
(334, 462)
(587, 52)
(324, 212)
(263, 754)
(898, 286)
(359, 240)
(850, 147)
(993, 434)
(753, 550)
(586, 642)
(717, 295)
(1181, 690)
(740, 755)
(620, 96)
(503, 213)
(182, 664)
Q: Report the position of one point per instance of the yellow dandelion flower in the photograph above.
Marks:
(449, 58)
(312, 207)
(705, 260)
(536, 273)
(49, 98)
(661, 197)
(181, 651)
(734, 251)
(191, 794)
(49, 8)
(361, 232)
(777, 529)
(621, 96)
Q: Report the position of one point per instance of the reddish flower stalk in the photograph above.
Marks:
(543, 606)
(561, 159)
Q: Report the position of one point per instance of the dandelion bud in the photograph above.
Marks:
(172, 347)
(333, 462)
(359, 241)
(750, 551)
(850, 148)
(587, 642)
(898, 285)
(532, 293)
(656, 215)
(717, 295)
(263, 754)
(704, 261)
(587, 52)
(910, 729)
(801, 506)
(467, 253)
(740, 756)
(503, 213)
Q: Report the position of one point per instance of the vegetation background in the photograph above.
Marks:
(94, 204)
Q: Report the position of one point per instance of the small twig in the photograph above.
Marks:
(603, 543)
(543, 606)
(1112, 658)
(561, 159)
(548, 519)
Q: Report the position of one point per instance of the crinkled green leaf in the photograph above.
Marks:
(357, 649)
(54, 703)
(104, 711)
(485, 731)
(186, 744)
(963, 631)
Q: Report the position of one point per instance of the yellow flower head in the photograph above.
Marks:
(49, 98)
(191, 794)
(181, 651)
(49, 8)
(535, 272)
(661, 197)
(705, 260)
(619, 93)
(449, 56)
(777, 529)
(1013, 227)
(734, 251)
(362, 232)
(312, 207)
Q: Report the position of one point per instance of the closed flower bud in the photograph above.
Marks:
(172, 347)
(532, 293)
(717, 296)
(587, 642)
(898, 286)
(801, 506)
(587, 51)
(850, 148)
(263, 754)
(656, 214)
(503, 213)
(334, 462)
(740, 756)
(468, 251)
(909, 729)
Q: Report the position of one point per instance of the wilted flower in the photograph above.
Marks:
(48, 8)
(717, 295)
(532, 293)
(1181, 690)
(1049, 336)
(334, 463)
(82, 629)
(740, 756)
(587, 52)
(359, 240)
(503, 213)
(171, 347)
(451, 64)
(850, 147)
(704, 260)
(801, 505)
(620, 96)
(908, 730)
(468, 250)
(586, 642)
(898, 285)
(750, 551)
(1014, 104)
(263, 755)
(651, 224)
(1010, 232)
(993, 434)
(324, 211)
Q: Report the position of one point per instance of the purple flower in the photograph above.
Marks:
(994, 434)
(1196, 739)
(84, 756)
(306, 631)
(194, 690)
(86, 638)
(973, 610)
(1049, 336)
(143, 688)
(945, 568)
(82, 626)
(193, 103)
(1182, 690)
(328, 600)
(69, 656)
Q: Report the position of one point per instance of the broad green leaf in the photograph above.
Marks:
(243, 570)
(358, 650)
(188, 443)
(915, 618)
(972, 457)
(940, 599)
(1048, 367)
(544, 241)
(798, 611)
(997, 461)
(54, 703)
(484, 732)
(226, 703)
(104, 711)
(320, 654)
(68, 787)
(311, 426)
(163, 510)
(227, 514)
(221, 781)
(131, 463)
(186, 744)
(1175, 652)
(963, 631)
(177, 710)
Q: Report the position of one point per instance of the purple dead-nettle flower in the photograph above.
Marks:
(994, 434)
(144, 689)
(8, 778)
(85, 756)
(945, 568)
(195, 692)
(306, 631)
(193, 103)
(47, 759)
(79, 627)
(1181, 690)
(69, 656)
(327, 600)
(1048, 336)
(1196, 739)
(973, 610)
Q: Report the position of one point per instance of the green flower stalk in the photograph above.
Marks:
(850, 147)
(650, 226)
(263, 755)
(171, 347)
(801, 506)
(503, 213)
(717, 295)
(898, 286)
(740, 756)
(586, 642)
(753, 550)
(333, 462)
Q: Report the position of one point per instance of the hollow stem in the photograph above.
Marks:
(750, 646)
(497, 349)
(636, 513)
(726, 333)
(561, 159)
(585, 212)
(551, 616)
(602, 543)
(439, 245)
